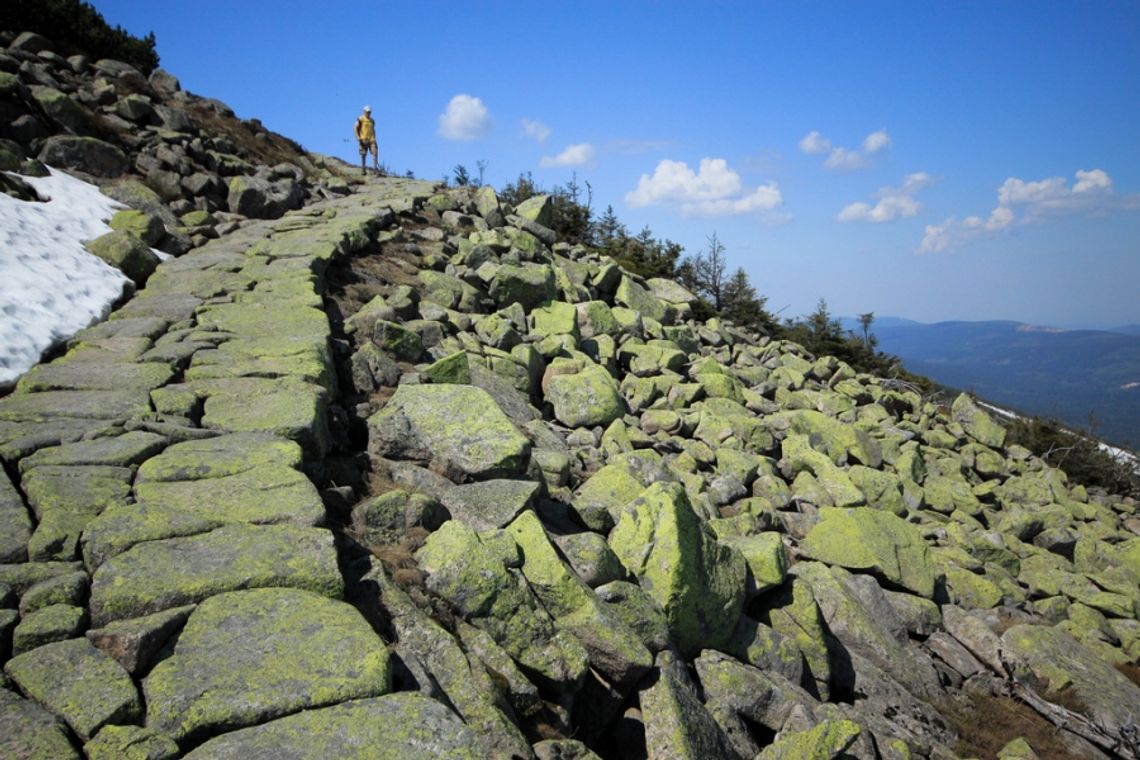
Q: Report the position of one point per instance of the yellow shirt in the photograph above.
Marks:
(366, 129)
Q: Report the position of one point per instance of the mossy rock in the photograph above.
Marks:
(527, 284)
(96, 691)
(402, 726)
(826, 740)
(976, 422)
(285, 650)
(696, 581)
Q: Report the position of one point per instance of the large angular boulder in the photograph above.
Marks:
(477, 575)
(584, 398)
(125, 252)
(85, 154)
(15, 523)
(285, 650)
(699, 583)
(876, 541)
(27, 730)
(458, 430)
(976, 422)
(259, 198)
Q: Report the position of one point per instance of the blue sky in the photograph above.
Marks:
(965, 160)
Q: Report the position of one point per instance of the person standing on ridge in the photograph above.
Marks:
(366, 137)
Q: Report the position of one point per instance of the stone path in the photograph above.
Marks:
(164, 456)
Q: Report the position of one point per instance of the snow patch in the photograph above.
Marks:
(50, 286)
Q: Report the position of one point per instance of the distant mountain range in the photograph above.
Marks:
(1043, 371)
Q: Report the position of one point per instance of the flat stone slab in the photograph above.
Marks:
(402, 726)
(20, 439)
(15, 523)
(219, 456)
(267, 495)
(29, 731)
(93, 376)
(65, 500)
(158, 575)
(95, 405)
(250, 656)
(286, 408)
(113, 451)
(96, 691)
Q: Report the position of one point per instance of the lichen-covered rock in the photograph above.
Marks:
(285, 650)
(614, 650)
(131, 743)
(15, 523)
(403, 726)
(585, 398)
(1052, 660)
(870, 539)
(698, 582)
(526, 284)
(537, 208)
(29, 732)
(55, 622)
(159, 575)
(825, 741)
(591, 558)
(146, 227)
(122, 250)
(977, 424)
(677, 724)
(476, 574)
(95, 692)
(87, 154)
(261, 199)
(491, 503)
(457, 429)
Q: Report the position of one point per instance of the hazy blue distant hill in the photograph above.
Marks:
(1126, 329)
(1068, 374)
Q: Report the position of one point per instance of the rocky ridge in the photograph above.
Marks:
(398, 473)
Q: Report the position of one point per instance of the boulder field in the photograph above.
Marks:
(398, 474)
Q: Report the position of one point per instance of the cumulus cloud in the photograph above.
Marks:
(876, 141)
(894, 202)
(814, 143)
(713, 190)
(465, 118)
(535, 129)
(1027, 202)
(579, 154)
(842, 158)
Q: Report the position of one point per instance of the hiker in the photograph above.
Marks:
(366, 136)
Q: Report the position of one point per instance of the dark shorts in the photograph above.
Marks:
(367, 145)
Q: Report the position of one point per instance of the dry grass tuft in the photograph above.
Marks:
(985, 724)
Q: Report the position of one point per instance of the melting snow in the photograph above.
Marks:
(50, 286)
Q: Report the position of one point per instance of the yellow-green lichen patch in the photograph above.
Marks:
(250, 656)
(219, 456)
(30, 732)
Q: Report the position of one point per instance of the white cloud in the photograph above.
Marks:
(535, 129)
(1021, 202)
(876, 141)
(842, 158)
(579, 154)
(815, 143)
(894, 202)
(464, 119)
(713, 190)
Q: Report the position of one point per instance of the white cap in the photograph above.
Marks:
(368, 109)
